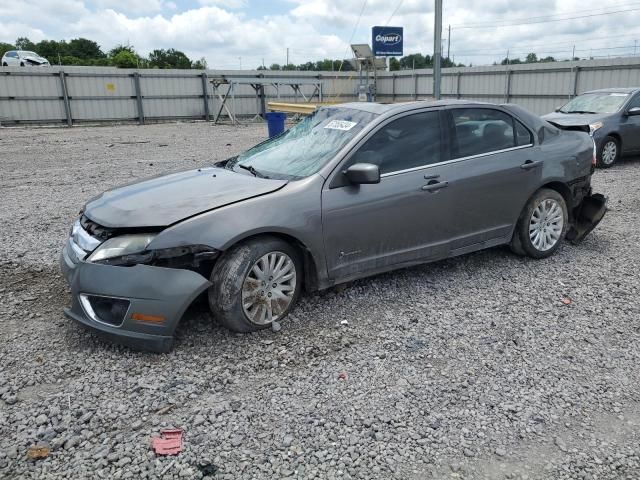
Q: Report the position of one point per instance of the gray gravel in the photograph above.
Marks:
(469, 368)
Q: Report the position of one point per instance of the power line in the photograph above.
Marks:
(529, 22)
(555, 15)
(353, 33)
(393, 13)
(494, 53)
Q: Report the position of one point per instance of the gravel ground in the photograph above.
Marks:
(471, 368)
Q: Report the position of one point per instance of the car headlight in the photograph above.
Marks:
(595, 126)
(120, 246)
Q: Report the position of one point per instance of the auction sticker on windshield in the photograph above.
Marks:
(340, 125)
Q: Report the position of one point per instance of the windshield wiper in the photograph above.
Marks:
(577, 111)
(252, 170)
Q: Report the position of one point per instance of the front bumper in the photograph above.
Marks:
(151, 291)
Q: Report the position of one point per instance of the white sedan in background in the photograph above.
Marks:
(23, 58)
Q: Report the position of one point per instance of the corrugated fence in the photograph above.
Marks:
(72, 95)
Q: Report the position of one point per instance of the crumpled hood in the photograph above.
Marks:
(165, 200)
(571, 119)
(35, 59)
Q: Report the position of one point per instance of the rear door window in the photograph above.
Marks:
(482, 130)
(523, 135)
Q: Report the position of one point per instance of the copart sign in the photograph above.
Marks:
(387, 41)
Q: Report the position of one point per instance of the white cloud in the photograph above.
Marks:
(138, 7)
(223, 30)
(231, 4)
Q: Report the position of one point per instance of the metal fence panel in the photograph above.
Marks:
(110, 94)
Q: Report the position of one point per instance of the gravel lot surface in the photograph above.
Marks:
(476, 367)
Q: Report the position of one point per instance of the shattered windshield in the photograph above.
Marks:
(304, 148)
(595, 103)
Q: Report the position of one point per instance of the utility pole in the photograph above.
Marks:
(449, 43)
(437, 49)
(507, 57)
(287, 56)
(573, 55)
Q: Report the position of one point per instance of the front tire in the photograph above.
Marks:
(542, 225)
(255, 284)
(609, 152)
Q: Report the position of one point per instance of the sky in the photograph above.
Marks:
(232, 34)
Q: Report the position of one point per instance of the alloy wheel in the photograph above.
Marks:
(609, 152)
(546, 225)
(268, 288)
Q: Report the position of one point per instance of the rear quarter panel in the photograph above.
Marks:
(567, 156)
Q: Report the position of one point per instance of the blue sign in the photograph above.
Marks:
(387, 41)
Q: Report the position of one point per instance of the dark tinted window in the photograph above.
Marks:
(635, 102)
(12, 54)
(411, 141)
(523, 136)
(481, 130)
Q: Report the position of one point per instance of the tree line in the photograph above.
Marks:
(82, 51)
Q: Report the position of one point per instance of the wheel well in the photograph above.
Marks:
(563, 190)
(309, 265)
(617, 137)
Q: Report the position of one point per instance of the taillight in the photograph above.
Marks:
(594, 160)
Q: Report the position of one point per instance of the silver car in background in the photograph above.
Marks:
(351, 191)
(23, 58)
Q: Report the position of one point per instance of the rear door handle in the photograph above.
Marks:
(434, 187)
(530, 164)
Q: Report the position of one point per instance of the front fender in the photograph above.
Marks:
(294, 211)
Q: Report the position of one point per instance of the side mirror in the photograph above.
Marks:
(633, 111)
(363, 173)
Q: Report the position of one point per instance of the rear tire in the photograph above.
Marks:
(542, 225)
(5, 64)
(22, 64)
(609, 152)
(255, 284)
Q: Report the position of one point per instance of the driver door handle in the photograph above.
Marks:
(530, 164)
(435, 186)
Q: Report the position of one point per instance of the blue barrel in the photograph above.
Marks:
(275, 123)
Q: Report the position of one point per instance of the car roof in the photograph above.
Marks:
(381, 108)
(615, 90)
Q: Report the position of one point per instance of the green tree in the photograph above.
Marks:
(121, 48)
(548, 59)
(290, 66)
(531, 58)
(71, 60)
(170, 58)
(5, 47)
(125, 59)
(50, 49)
(416, 60)
(84, 48)
(200, 64)
(394, 64)
(23, 43)
(274, 66)
(511, 61)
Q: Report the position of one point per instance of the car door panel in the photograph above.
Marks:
(630, 127)
(490, 190)
(402, 219)
(372, 227)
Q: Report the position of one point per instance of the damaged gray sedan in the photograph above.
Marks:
(350, 191)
